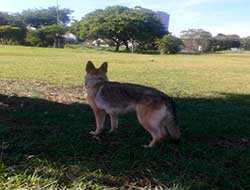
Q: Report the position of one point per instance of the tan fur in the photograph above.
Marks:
(155, 110)
(150, 117)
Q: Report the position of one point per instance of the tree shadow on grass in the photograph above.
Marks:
(51, 140)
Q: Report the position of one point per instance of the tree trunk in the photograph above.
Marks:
(126, 44)
(55, 45)
(133, 46)
(117, 47)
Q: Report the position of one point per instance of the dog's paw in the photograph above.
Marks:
(145, 146)
(94, 136)
(93, 133)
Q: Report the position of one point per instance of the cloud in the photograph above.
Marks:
(189, 3)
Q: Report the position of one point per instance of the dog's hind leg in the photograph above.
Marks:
(173, 130)
(150, 119)
(114, 122)
(157, 133)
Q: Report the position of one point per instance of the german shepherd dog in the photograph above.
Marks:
(155, 110)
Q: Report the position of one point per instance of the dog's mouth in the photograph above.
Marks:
(85, 86)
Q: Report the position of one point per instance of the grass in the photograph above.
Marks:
(44, 122)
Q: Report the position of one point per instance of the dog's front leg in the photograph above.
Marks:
(114, 122)
(100, 119)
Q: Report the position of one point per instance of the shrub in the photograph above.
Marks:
(169, 44)
(32, 38)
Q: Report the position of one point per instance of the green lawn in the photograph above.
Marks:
(44, 122)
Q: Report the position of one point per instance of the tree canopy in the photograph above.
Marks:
(224, 42)
(169, 44)
(196, 40)
(45, 17)
(245, 43)
(11, 34)
(120, 24)
(15, 28)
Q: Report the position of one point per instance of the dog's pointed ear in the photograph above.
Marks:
(104, 67)
(89, 66)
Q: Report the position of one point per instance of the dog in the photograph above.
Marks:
(155, 110)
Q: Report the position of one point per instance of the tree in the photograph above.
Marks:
(233, 41)
(12, 29)
(11, 34)
(145, 28)
(196, 40)
(76, 29)
(4, 18)
(11, 19)
(245, 43)
(120, 24)
(45, 17)
(169, 44)
(224, 42)
(219, 42)
(52, 35)
(108, 23)
(33, 38)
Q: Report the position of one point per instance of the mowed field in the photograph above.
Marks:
(44, 122)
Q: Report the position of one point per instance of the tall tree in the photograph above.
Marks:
(120, 24)
(224, 42)
(45, 17)
(196, 40)
(52, 35)
(144, 27)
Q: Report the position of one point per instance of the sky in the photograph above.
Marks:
(215, 16)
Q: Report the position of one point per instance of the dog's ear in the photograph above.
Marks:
(104, 67)
(89, 66)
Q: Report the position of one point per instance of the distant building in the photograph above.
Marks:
(163, 16)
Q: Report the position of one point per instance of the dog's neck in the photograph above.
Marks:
(93, 89)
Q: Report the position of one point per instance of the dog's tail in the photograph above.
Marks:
(171, 121)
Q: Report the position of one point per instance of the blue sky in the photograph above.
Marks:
(226, 16)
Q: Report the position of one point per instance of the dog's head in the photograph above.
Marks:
(95, 75)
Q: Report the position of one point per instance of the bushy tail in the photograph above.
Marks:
(170, 121)
(174, 131)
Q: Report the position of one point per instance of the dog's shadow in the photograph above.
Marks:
(35, 132)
